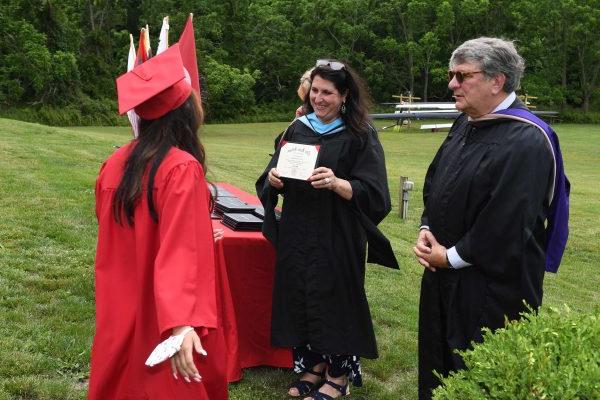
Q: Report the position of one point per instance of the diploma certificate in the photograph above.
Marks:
(297, 161)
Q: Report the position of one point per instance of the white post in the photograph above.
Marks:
(405, 187)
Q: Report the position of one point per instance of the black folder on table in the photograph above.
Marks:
(242, 221)
(232, 205)
(259, 211)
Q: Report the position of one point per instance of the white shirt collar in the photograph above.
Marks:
(503, 105)
(506, 102)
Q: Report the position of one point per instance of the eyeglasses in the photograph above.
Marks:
(334, 65)
(461, 76)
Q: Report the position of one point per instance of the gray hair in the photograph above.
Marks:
(495, 56)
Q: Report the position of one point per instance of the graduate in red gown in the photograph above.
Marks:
(155, 269)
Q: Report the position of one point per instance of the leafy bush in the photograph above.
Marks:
(551, 355)
(580, 117)
(30, 73)
(59, 116)
(228, 91)
(547, 93)
(266, 112)
(24, 59)
(63, 80)
(84, 111)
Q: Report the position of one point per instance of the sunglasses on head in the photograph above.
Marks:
(334, 65)
(461, 76)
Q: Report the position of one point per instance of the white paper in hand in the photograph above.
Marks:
(297, 161)
(166, 349)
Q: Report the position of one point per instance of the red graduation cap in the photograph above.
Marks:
(155, 87)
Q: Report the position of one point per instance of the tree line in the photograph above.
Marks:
(67, 53)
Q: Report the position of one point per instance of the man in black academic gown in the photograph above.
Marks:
(487, 195)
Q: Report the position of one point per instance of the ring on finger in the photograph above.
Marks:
(327, 181)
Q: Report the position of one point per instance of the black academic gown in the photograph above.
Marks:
(318, 296)
(486, 192)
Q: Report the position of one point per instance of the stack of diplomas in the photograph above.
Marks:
(242, 221)
(235, 213)
(232, 205)
(218, 192)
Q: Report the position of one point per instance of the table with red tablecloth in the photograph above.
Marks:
(245, 264)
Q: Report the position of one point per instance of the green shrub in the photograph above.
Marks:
(63, 80)
(228, 91)
(85, 111)
(551, 355)
(266, 112)
(547, 94)
(59, 116)
(99, 112)
(580, 117)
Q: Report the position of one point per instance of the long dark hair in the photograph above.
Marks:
(358, 100)
(178, 128)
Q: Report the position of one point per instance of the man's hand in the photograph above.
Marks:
(423, 248)
(429, 252)
(183, 360)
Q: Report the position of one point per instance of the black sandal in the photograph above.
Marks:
(342, 389)
(306, 387)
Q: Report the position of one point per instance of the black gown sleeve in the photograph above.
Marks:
(268, 196)
(368, 178)
(371, 198)
(519, 172)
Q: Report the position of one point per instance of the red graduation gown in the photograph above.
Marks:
(150, 278)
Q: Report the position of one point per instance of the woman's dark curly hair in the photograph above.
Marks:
(358, 101)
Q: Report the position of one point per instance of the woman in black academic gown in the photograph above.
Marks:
(319, 304)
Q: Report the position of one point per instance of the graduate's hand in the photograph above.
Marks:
(217, 234)
(274, 179)
(183, 361)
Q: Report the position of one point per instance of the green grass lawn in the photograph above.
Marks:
(48, 233)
